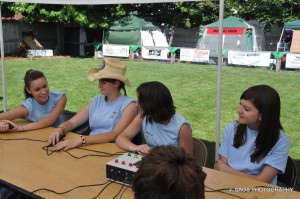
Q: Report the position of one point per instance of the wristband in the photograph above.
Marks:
(83, 140)
(64, 128)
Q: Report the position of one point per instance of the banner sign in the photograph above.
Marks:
(42, 53)
(112, 50)
(292, 60)
(226, 31)
(194, 55)
(249, 58)
(159, 53)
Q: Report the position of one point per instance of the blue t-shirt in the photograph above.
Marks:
(157, 134)
(104, 116)
(239, 158)
(39, 111)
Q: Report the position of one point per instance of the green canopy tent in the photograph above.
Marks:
(292, 25)
(127, 30)
(237, 35)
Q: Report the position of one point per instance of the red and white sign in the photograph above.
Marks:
(194, 55)
(226, 31)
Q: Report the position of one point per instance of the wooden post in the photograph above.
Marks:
(173, 58)
(278, 65)
(141, 54)
(95, 53)
(131, 55)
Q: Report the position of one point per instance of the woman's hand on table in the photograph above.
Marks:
(67, 144)
(55, 136)
(9, 126)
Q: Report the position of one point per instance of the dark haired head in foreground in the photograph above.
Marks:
(169, 172)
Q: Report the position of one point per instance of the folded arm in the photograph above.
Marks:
(267, 174)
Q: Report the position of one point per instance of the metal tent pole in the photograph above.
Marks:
(3, 63)
(219, 78)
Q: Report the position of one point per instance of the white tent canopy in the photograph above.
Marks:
(99, 2)
(94, 2)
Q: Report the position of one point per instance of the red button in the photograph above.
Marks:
(116, 160)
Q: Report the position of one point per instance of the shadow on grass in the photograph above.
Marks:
(211, 160)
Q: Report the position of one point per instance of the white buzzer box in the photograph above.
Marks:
(122, 169)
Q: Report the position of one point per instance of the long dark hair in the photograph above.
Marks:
(267, 101)
(31, 75)
(156, 101)
(169, 172)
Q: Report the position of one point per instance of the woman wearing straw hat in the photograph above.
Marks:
(108, 114)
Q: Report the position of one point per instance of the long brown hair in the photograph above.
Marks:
(267, 101)
(156, 101)
(31, 75)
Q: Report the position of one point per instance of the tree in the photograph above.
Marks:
(184, 14)
(92, 16)
(266, 11)
(179, 14)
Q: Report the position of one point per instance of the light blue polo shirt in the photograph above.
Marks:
(157, 134)
(38, 111)
(104, 116)
(239, 158)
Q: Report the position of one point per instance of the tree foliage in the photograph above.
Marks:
(181, 14)
(92, 16)
(266, 11)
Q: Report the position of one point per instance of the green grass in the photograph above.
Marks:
(193, 88)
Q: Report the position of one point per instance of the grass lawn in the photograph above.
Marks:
(193, 88)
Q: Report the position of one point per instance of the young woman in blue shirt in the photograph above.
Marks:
(157, 120)
(42, 107)
(255, 146)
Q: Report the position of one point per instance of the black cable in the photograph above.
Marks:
(48, 151)
(87, 155)
(110, 154)
(60, 193)
(119, 191)
(106, 154)
(102, 190)
(123, 192)
(17, 139)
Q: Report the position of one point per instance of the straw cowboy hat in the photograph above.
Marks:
(110, 69)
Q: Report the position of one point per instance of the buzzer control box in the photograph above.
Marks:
(122, 169)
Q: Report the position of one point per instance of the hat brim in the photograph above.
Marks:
(95, 74)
